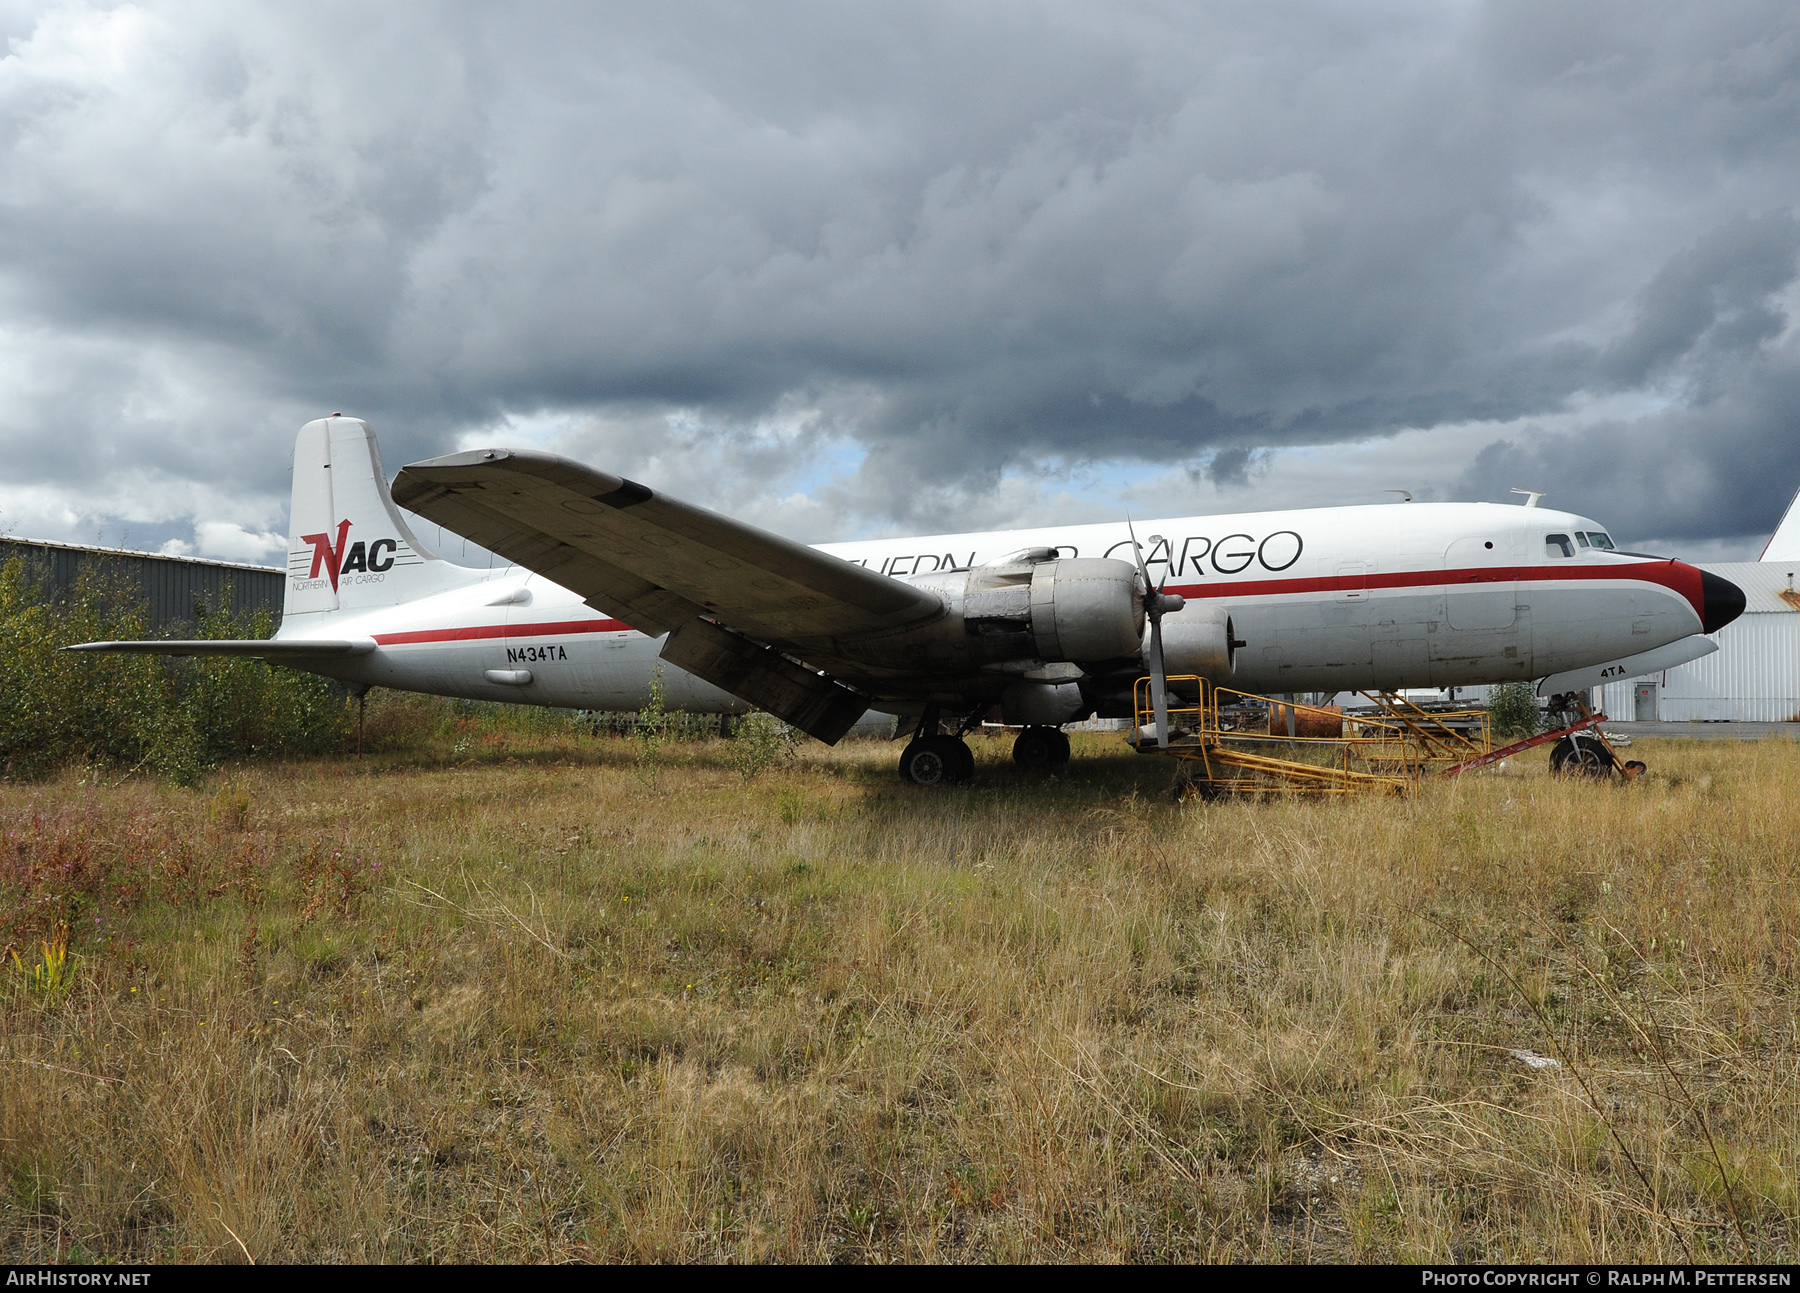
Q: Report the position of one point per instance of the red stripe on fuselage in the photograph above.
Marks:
(502, 631)
(1673, 575)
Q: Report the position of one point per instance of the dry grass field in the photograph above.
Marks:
(530, 1000)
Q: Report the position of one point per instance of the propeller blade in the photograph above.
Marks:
(1137, 551)
(1159, 684)
(1155, 603)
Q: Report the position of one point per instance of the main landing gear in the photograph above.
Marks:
(934, 758)
(1041, 747)
(937, 760)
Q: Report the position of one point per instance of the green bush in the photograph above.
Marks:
(1513, 711)
(761, 740)
(178, 716)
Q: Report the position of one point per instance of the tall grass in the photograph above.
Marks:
(517, 1004)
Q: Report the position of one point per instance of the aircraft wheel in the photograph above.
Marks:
(965, 758)
(1578, 757)
(1035, 747)
(1060, 739)
(936, 761)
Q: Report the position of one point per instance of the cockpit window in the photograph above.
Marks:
(1581, 540)
(1558, 545)
(1600, 540)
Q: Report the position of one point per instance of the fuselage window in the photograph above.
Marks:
(1558, 545)
(1599, 540)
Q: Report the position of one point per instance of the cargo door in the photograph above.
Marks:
(1481, 591)
(1344, 621)
(1480, 637)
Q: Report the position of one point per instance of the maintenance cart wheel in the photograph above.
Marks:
(1187, 788)
(937, 761)
(1581, 755)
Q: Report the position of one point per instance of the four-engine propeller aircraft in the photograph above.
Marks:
(612, 581)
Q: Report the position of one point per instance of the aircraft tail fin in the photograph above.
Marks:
(1784, 544)
(349, 549)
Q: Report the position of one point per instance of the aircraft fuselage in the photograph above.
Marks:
(1328, 599)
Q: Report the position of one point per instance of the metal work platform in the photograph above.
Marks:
(1234, 742)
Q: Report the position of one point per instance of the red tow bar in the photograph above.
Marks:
(1494, 756)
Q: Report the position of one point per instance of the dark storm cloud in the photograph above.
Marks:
(1720, 458)
(970, 240)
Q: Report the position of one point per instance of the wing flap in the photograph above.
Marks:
(816, 704)
(653, 561)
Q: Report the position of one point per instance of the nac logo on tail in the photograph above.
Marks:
(335, 560)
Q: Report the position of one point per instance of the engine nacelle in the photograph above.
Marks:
(1050, 704)
(1198, 639)
(1077, 608)
(1029, 609)
(1086, 608)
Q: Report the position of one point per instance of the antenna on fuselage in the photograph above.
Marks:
(1405, 494)
(1531, 495)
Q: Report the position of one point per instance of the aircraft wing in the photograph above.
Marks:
(654, 562)
(264, 648)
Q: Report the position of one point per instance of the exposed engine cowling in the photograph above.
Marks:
(1076, 608)
(1198, 639)
(1030, 615)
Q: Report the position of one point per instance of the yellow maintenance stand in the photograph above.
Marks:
(1233, 742)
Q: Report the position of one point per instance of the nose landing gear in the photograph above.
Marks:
(1581, 754)
(1581, 748)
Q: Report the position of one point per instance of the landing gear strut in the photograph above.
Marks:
(1041, 747)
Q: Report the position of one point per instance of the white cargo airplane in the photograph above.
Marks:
(612, 581)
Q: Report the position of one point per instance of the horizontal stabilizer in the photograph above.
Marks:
(266, 648)
(1636, 666)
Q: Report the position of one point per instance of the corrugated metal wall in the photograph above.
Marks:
(1754, 677)
(171, 586)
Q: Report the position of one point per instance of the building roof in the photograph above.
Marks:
(1770, 587)
(143, 556)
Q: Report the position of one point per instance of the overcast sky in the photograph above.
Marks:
(863, 269)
